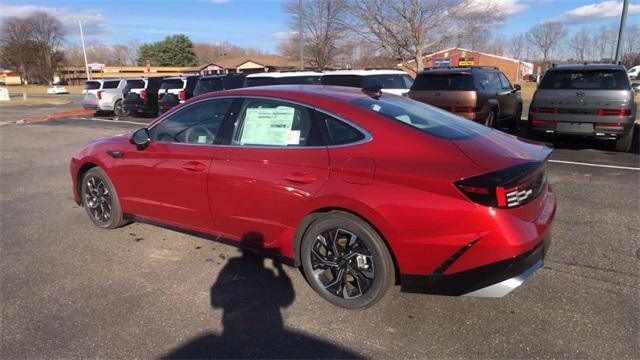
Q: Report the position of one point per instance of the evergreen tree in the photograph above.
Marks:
(174, 50)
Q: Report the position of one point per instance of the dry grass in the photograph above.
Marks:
(41, 89)
(35, 101)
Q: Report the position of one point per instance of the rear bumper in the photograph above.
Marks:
(492, 280)
(142, 107)
(582, 126)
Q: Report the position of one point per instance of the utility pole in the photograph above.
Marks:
(84, 51)
(300, 34)
(623, 20)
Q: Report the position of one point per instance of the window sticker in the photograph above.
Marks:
(268, 126)
(202, 139)
(293, 137)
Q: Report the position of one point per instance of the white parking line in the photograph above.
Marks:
(595, 165)
(107, 120)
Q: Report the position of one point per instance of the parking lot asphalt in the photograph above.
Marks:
(68, 289)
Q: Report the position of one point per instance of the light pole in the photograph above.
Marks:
(300, 35)
(623, 20)
(84, 51)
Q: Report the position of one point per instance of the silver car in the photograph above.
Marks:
(104, 95)
(594, 100)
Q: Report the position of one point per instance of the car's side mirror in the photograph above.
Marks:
(141, 138)
(517, 87)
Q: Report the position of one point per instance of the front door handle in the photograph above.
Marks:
(299, 178)
(194, 166)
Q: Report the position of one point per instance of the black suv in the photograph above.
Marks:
(479, 93)
(141, 96)
(211, 83)
(176, 90)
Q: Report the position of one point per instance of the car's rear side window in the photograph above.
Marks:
(111, 84)
(388, 81)
(299, 80)
(443, 82)
(338, 132)
(422, 117)
(92, 85)
(587, 79)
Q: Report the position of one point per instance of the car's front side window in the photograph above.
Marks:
(195, 124)
(266, 122)
(506, 85)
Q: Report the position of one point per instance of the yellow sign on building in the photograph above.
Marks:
(468, 62)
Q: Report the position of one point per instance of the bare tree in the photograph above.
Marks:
(546, 37)
(409, 28)
(48, 33)
(324, 29)
(208, 53)
(580, 43)
(517, 46)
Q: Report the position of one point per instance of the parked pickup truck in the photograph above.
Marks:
(104, 95)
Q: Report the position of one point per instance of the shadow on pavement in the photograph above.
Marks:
(251, 296)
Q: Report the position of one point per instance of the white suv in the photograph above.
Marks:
(104, 95)
(392, 81)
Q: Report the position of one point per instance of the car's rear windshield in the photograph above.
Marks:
(446, 81)
(111, 84)
(423, 117)
(208, 85)
(387, 81)
(133, 84)
(587, 79)
(92, 85)
(172, 84)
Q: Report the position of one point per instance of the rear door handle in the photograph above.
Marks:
(194, 166)
(299, 178)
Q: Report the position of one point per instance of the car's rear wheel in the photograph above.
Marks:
(623, 144)
(346, 261)
(100, 199)
(119, 110)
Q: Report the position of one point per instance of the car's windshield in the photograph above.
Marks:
(423, 117)
(92, 85)
(587, 79)
(172, 84)
(443, 81)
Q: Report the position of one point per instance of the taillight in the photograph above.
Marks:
(613, 112)
(182, 95)
(462, 109)
(99, 94)
(506, 188)
(543, 122)
(611, 124)
(546, 110)
(143, 94)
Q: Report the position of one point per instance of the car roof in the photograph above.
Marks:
(277, 74)
(365, 72)
(455, 69)
(180, 77)
(587, 67)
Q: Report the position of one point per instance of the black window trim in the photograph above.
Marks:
(231, 118)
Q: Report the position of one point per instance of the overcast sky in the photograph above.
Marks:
(261, 23)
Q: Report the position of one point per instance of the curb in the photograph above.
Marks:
(58, 115)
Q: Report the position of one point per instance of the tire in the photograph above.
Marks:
(623, 144)
(353, 279)
(99, 197)
(490, 120)
(119, 110)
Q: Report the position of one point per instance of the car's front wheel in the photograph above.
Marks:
(100, 199)
(346, 261)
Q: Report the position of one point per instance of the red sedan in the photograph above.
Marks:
(360, 189)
